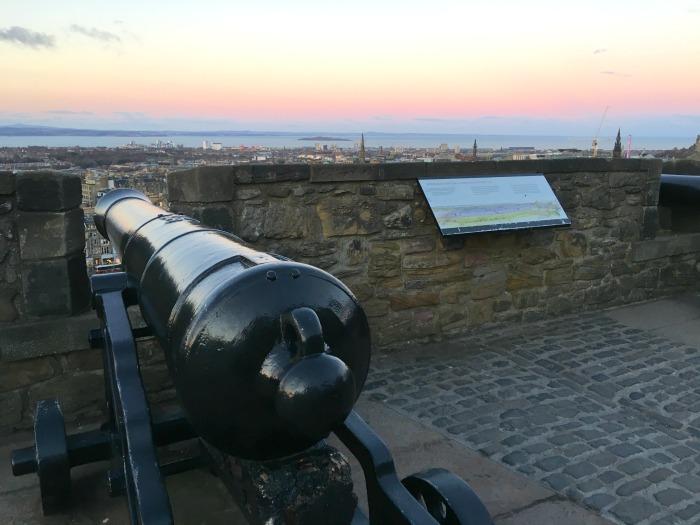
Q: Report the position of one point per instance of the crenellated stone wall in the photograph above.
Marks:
(370, 226)
(44, 306)
(367, 224)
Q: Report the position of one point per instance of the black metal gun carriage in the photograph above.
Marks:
(268, 357)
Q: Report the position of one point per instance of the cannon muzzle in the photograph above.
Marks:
(267, 355)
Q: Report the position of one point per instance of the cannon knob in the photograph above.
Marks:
(317, 390)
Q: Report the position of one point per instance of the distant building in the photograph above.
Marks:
(216, 146)
(205, 144)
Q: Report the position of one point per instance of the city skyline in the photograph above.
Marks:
(536, 68)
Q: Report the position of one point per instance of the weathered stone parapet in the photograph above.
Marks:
(43, 285)
(50, 230)
(48, 191)
(10, 284)
(55, 363)
(370, 226)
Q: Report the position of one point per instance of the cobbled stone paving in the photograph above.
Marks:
(603, 414)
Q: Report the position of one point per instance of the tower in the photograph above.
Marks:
(362, 148)
(474, 151)
(617, 150)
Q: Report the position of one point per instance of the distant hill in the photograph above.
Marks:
(321, 138)
(691, 153)
(22, 130)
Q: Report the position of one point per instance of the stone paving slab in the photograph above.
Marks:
(603, 413)
(510, 497)
(198, 497)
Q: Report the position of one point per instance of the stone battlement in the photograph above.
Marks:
(367, 224)
(370, 226)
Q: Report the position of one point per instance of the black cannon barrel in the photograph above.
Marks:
(267, 355)
(679, 190)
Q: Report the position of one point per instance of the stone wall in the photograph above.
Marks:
(370, 226)
(45, 314)
(367, 224)
(10, 285)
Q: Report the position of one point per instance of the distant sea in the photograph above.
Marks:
(387, 140)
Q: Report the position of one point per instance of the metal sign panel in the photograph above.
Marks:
(498, 202)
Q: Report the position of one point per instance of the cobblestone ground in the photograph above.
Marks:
(604, 414)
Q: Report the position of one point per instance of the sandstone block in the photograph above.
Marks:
(418, 245)
(10, 409)
(452, 293)
(627, 179)
(376, 307)
(406, 300)
(277, 191)
(452, 243)
(8, 312)
(243, 194)
(7, 182)
(48, 191)
(384, 259)
(79, 394)
(480, 312)
(591, 269)
(488, 281)
(18, 374)
(388, 191)
(282, 222)
(666, 247)
(522, 276)
(558, 276)
(345, 172)
(203, 184)
(572, 244)
(559, 305)
(43, 235)
(55, 286)
(526, 299)
(346, 217)
(605, 293)
(218, 217)
(400, 219)
(251, 225)
(355, 252)
(536, 255)
(430, 260)
(650, 222)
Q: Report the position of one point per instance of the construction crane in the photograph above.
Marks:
(594, 148)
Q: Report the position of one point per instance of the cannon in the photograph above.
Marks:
(679, 190)
(267, 356)
(678, 202)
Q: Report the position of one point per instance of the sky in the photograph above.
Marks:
(444, 66)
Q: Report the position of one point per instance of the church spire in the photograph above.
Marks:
(474, 151)
(362, 148)
(617, 150)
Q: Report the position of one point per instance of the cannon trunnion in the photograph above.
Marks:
(267, 356)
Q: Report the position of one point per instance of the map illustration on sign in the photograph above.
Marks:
(498, 202)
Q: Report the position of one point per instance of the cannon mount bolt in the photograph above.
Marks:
(271, 275)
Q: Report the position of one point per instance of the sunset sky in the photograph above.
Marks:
(540, 67)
